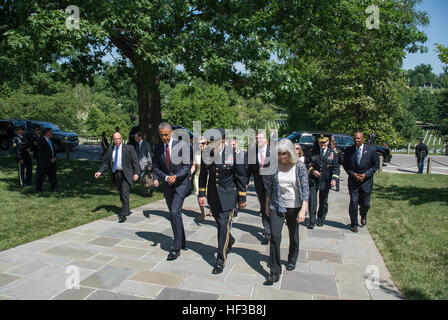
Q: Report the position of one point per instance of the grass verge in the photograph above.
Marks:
(408, 221)
(27, 216)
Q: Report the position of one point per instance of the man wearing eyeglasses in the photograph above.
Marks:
(323, 168)
(122, 162)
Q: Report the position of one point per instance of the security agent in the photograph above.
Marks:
(33, 145)
(22, 151)
(323, 168)
(226, 185)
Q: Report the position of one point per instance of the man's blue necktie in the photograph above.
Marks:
(114, 167)
(359, 155)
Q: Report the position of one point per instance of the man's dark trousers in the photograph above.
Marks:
(358, 197)
(123, 187)
(224, 225)
(175, 203)
(50, 172)
(323, 202)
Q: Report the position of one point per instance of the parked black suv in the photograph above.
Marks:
(8, 131)
(307, 141)
(60, 138)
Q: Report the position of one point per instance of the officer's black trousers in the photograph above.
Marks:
(323, 203)
(50, 172)
(224, 225)
(25, 179)
(277, 222)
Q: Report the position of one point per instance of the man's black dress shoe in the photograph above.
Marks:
(184, 247)
(273, 277)
(290, 267)
(354, 229)
(122, 219)
(320, 223)
(363, 221)
(265, 240)
(217, 269)
(173, 255)
(310, 226)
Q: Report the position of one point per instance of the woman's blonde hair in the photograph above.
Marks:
(300, 154)
(285, 145)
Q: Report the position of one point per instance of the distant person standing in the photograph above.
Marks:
(122, 162)
(143, 150)
(22, 150)
(46, 163)
(372, 137)
(33, 146)
(421, 152)
(360, 162)
(104, 144)
(299, 152)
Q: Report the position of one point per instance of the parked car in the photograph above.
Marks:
(60, 139)
(307, 141)
(136, 128)
(8, 131)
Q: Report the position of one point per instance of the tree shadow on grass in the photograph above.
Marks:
(109, 208)
(414, 194)
(75, 179)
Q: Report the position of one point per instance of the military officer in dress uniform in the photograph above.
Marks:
(33, 145)
(22, 151)
(323, 168)
(226, 185)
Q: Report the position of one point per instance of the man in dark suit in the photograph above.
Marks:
(143, 150)
(323, 168)
(46, 163)
(121, 160)
(360, 162)
(172, 161)
(226, 178)
(34, 141)
(261, 151)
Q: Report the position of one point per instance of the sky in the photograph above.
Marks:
(437, 32)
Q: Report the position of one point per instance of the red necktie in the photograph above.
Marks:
(168, 158)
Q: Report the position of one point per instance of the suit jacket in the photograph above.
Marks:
(129, 162)
(182, 186)
(260, 181)
(44, 153)
(369, 165)
(144, 156)
(327, 165)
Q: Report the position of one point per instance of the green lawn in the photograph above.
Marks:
(26, 216)
(408, 220)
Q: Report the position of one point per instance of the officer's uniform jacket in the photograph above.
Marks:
(328, 167)
(226, 181)
(33, 144)
(20, 144)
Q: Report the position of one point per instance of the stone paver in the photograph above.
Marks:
(128, 261)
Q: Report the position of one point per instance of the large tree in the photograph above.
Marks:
(201, 38)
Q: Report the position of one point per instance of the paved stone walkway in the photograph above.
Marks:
(128, 261)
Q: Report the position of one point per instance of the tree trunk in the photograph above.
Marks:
(148, 91)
